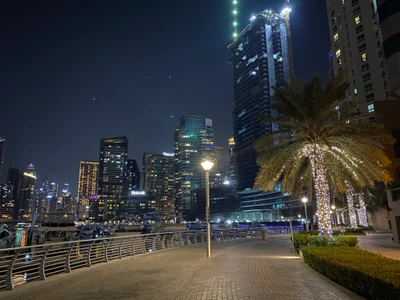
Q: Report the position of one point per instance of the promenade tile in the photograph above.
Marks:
(248, 269)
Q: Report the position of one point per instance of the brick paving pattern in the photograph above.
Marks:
(248, 269)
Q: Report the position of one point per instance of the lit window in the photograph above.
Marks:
(371, 108)
(364, 57)
(357, 20)
(355, 92)
(338, 52)
(336, 36)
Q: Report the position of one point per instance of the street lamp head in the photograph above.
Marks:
(304, 199)
(299, 216)
(207, 165)
(333, 207)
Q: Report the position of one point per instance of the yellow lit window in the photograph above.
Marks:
(364, 57)
(336, 36)
(338, 52)
(357, 20)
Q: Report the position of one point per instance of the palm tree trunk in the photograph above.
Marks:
(321, 190)
(350, 204)
(362, 212)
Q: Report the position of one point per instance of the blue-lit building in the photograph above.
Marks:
(194, 142)
(261, 58)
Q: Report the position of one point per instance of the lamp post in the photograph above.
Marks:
(304, 199)
(207, 165)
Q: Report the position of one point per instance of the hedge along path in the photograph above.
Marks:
(365, 273)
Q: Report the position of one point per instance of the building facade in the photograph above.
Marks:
(133, 175)
(389, 19)
(112, 182)
(387, 113)
(27, 199)
(261, 60)
(194, 142)
(136, 205)
(358, 51)
(7, 206)
(159, 180)
(87, 186)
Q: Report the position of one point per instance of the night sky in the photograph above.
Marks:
(141, 60)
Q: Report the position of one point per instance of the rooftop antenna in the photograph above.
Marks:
(235, 13)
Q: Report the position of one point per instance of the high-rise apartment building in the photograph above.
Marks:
(2, 142)
(28, 200)
(14, 180)
(389, 19)
(194, 142)
(217, 173)
(261, 57)
(357, 50)
(87, 185)
(159, 174)
(112, 182)
(7, 204)
(133, 175)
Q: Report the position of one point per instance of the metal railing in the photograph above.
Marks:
(25, 264)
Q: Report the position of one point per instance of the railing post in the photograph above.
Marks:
(120, 248)
(10, 271)
(88, 260)
(133, 246)
(195, 237)
(68, 260)
(153, 244)
(42, 274)
(106, 251)
(163, 241)
(202, 237)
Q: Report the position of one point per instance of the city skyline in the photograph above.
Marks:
(70, 98)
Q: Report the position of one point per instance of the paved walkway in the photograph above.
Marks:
(380, 243)
(248, 269)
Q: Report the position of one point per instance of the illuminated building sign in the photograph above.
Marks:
(168, 154)
(138, 193)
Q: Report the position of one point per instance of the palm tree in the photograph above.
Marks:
(319, 144)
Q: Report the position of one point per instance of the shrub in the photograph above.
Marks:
(303, 240)
(365, 273)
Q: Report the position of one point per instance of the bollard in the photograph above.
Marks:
(264, 235)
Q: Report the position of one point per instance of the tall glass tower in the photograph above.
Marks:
(112, 170)
(194, 142)
(261, 57)
(87, 185)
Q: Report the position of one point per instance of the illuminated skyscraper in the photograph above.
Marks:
(28, 201)
(2, 141)
(194, 142)
(158, 172)
(112, 182)
(261, 57)
(87, 185)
